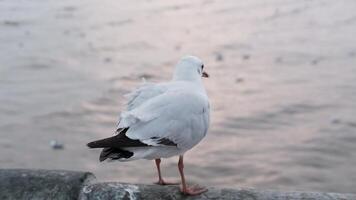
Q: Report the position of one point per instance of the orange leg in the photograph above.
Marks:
(195, 190)
(160, 179)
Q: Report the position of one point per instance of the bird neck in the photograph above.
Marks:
(186, 73)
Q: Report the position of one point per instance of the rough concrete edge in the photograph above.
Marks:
(89, 179)
(119, 189)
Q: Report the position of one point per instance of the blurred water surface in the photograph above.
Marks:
(282, 86)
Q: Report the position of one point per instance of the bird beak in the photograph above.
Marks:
(205, 75)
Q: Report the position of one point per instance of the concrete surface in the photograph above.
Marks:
(41, 184)
(56, 184)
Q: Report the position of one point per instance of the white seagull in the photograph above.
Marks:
(162, 120)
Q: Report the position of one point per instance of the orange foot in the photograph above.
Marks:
(194, 190)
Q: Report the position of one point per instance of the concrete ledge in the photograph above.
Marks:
(42, 184)
(53, 184)
(101, 191)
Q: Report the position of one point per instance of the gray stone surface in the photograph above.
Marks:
(100, 191)
(41, 184)
(53, 184)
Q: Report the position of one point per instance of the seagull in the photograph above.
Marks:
(162, 120)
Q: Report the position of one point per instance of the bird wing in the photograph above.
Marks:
(143, 93)
(178, 117)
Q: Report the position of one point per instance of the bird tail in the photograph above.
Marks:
(107, 142)
(119, 140)
(115, 154)
(110, 141)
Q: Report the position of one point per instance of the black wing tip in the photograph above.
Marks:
(167, 142)
(114, 154)
(91, 145)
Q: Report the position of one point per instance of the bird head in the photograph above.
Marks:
(189, 68)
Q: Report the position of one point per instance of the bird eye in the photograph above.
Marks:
(202, 67)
